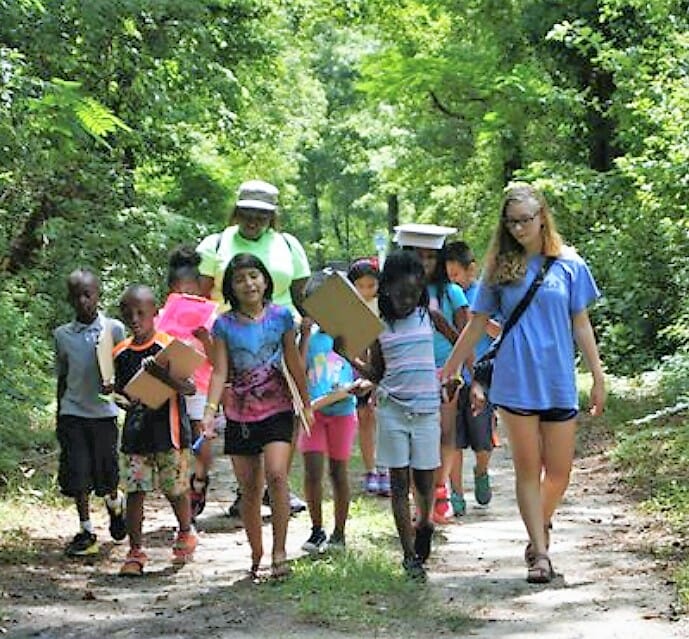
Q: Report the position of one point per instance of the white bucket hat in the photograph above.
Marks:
(257, 194)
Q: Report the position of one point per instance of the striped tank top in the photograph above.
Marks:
(410, 376)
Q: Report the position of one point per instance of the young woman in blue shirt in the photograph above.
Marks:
(534, 382)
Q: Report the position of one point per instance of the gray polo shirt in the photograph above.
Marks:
(75, 358)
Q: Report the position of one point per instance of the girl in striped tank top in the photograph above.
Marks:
(407, 402)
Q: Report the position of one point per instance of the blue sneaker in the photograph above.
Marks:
(384, 483)
(482, 490)
(459, 506)
(371, 485)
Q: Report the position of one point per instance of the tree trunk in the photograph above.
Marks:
(24, 245)
(602, 150)
(129, 164)
(393, 214)
(317, 228)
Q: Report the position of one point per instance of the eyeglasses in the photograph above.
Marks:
(514, 222)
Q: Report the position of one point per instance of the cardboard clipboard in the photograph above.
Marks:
(340, 311)
(182, 360)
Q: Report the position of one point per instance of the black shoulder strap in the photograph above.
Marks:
(526, 300)
(289, 244)
(218, 241)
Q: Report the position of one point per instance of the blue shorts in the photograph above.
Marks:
(405, 438)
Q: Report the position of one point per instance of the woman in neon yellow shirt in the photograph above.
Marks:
(253, 230)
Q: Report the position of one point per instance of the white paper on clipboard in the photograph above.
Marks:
(104, 348)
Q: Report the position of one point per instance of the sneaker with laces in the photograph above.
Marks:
(118, 522)
(442, 509)
(83, 544)
(413, 567)
(317, 542)
(184, 546)
(482, 490)
(459, 505)
(197, 494)
(296, 505)
(336, 543)
(422, 541)
(371, 485)
(384, 483)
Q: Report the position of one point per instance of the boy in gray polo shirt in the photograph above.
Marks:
(86, 424)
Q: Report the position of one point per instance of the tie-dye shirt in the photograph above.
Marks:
(410, 376)
(258, 388)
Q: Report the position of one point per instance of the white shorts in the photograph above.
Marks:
(196, 404)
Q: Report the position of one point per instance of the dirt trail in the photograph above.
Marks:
(607, 589)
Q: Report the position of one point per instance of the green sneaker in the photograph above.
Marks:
(459, 506)
(482, 490)
(83, 544)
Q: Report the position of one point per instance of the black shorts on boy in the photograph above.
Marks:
(88, 455)
(473, 431)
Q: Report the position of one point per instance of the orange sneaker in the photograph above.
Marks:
(442, 508)
(134, 563)
(184, 546)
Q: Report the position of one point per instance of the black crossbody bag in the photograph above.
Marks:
(483, 367)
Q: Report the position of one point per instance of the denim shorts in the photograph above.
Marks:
(406, 438)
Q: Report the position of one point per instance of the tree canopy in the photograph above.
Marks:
(126, 126)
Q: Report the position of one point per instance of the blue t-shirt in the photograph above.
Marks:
(486, 340)
(452, 300)
(326, 371)
(534, 368)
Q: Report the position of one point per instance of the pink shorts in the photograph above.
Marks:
(332, 435)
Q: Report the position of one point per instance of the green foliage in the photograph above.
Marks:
(25, 392)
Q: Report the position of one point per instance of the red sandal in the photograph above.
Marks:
(134, 563)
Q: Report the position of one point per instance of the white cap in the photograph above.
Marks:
(257, 194)
(429, 236)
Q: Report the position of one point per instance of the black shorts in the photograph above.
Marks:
(250, 438)
(475, 431)
(88, 455)
(546, 414)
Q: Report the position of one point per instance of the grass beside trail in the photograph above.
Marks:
(364, 588)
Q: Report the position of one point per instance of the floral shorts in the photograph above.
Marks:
(169, 470)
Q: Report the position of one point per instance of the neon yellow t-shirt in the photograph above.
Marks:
(282, 254)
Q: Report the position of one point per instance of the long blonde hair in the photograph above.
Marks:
(506, 258)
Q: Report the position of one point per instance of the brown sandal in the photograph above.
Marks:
(530, 553)
(540, 570)
(280, 569)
